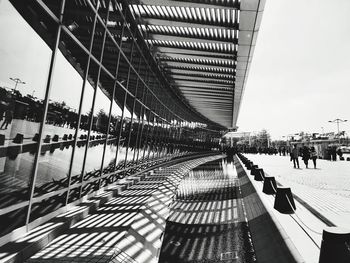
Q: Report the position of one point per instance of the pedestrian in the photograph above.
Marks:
(334, 153)
(294, 155)
(1, 113)
(313, 155)
(340, 153)
(8, 118)
(306, 155)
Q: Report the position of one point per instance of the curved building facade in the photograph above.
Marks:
(92, 91)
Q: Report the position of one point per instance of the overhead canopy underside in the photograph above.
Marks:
(205, 49)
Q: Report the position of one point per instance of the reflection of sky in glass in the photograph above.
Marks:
(22, 54)
(102, 102)
(26, 63)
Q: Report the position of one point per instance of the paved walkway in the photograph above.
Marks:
(326, 189)
(128, 228)
(207, 222)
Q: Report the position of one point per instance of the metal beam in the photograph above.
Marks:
(205, 96)
(206, 92)
(198, 79)
(187, 64)
(218, 58)
(212, 108)
(190, 4)
(168, 22)
(195, 85)
(192, 52)
(194, 39)
(212, 100)
(209, 93)
(200, 89)
(201, 74)
(215, 116)
(208, 105)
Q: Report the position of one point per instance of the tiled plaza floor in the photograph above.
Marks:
(326, 189)
(207, 222)
(128, 228)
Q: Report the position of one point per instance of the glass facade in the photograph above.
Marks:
(81, 106)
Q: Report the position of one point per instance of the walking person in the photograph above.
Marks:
(334, 153)
(340, 153)
(2, 111)
(313, 155)
(306, 155)
(8, 119)
(294, 155)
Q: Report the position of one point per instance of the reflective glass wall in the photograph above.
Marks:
(81, 106)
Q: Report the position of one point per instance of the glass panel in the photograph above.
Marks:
(47, 206)
(103, 9)
(169, 139)
(98, 129)
(13, 220)
(152, 146)
(134, 132)
(79, 25)
(98, 40)
(54, 6)
(140, 110)
(122, 121)
(156, 139)
(78, 159)
(111, 147)
(165, 139)
(110, 55)
(178, 137)
(97, 124)
(131, 85)
(145, 136)
(140, 132)
(123, 139)
(60, 128)
(129, 120)
(161, 142)
(114, 26)
(23, 80)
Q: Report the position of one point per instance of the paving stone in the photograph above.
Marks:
(126, 227)
(326, 189)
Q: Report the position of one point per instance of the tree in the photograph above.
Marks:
(264, 138)
(101, 121)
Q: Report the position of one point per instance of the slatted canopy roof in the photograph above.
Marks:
(204, 47)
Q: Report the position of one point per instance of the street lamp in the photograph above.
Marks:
(17, 81)
(337, 121)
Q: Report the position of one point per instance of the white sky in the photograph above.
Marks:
(300, 74)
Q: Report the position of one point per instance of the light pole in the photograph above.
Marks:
(337, 121)
(17, 81)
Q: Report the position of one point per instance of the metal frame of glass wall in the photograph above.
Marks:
(125, 119)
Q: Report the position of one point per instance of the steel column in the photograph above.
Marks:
(46, 106)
